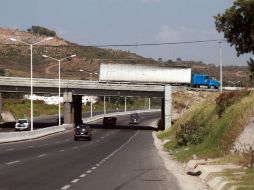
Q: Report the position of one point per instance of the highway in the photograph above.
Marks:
(114, 159)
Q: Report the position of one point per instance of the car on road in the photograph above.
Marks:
(134, 118)
(22, 125)
(82, 131)
(62, 120)
(109, 121)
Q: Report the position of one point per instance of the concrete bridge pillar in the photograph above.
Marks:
(167, 106)
(77, 106)
(68, 108)
(0, 107)
(72, 108)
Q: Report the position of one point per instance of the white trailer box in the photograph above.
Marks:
(144, 73)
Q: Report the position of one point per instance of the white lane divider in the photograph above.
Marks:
(82, 175)
(61, 150)
(42, 155)
(101, 162)
(13, 162)
(10, 149)
(75, 180)
(65, 187)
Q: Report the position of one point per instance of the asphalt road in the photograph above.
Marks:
(115, 159)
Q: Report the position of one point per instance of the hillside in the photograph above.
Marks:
(15, 59)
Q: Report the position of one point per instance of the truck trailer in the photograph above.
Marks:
(138, 73)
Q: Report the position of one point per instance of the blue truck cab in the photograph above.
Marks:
(198, 80)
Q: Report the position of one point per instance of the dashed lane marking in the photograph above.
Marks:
(82, 175)
(89, 171)
(10, 149)
(13, 162)
(75, 180)
(65, 187)
(42, 155)
(61, 150)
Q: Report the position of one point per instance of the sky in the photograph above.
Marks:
(103, 22)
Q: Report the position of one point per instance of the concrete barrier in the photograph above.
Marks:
(26, 135)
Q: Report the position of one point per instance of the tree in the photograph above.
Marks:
(42, 31)
(251, 68)
(237, 24)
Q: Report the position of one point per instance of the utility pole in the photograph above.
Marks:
(220, 65)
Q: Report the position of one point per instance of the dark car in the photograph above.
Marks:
(134, 118)
(82, 131)
(109, 121)
(62, 120)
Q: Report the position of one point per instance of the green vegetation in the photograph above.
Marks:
(42, 31)
(219, 125)
(21, 108)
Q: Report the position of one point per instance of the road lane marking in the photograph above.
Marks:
(75, 180)
(65, 187)
(89, 171)
(82, 175)
(93, 168)
(75, 147)
(14, 162)
(97, 165)
(10, 149)
(61, 150)
(42, 155)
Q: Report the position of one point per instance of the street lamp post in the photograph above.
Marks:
(234, 83)
(31, 75)
(91, 103)
(220, 42)
(59, 82)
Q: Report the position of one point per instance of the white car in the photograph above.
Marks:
(22, 124)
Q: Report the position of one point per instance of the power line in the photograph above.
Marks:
(125, 45)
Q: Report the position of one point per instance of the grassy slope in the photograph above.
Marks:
(223, 133)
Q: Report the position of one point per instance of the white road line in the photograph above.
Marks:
(10, 149)
(61, 150)
(75, 147)
(93, 168)
(97, 165)
(14, 162)
(65, 187)
(89, 171)
(102, 137)
(82, 175)
(42, 155)
(75, 180)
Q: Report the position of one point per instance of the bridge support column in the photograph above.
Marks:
(0, 107)
(167, 106)
(68, 108)
(77, 106)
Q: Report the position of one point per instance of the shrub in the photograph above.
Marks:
(191, 132)
(226, 99)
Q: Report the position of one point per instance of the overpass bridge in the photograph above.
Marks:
(73, 90)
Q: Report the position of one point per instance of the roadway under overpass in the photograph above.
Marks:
(73, 90)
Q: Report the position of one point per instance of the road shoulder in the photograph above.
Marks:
(186, 182)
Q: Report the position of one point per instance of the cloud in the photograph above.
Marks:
(150, 1)
(169, 34)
